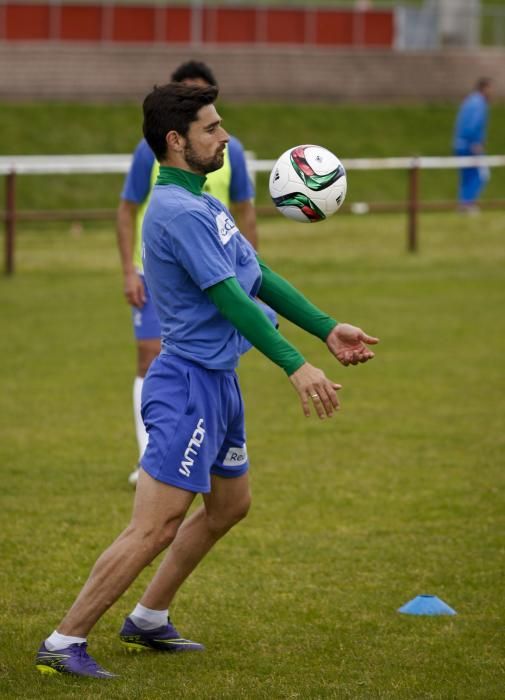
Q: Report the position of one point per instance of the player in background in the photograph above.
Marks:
(469, 140)
(204, 277)
(230, 184)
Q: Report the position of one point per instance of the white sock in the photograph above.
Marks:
(148, 619)
(61, 641)
(139, 423)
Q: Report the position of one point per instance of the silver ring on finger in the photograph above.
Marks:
(314, 396)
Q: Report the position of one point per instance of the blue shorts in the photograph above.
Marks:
(145, 321)
(194, 418)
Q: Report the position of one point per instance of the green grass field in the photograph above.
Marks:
(401, 494)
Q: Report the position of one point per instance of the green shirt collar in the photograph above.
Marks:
(175, 176)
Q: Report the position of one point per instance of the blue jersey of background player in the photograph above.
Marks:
(469, 140)
(231, 184)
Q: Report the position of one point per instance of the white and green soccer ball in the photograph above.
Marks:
(308, 183)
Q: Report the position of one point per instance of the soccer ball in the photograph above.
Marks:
(308, 183)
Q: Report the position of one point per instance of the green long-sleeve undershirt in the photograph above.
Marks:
(251, 322)
(291, 304)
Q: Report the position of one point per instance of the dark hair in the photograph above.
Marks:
(172, 107)
(482, 83)
(194, 70)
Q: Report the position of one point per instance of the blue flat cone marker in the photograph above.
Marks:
(426, 605)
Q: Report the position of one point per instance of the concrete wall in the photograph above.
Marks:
(118, 72)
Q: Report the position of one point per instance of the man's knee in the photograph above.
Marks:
(221, 521)
(153, 538)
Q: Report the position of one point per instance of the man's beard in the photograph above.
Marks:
(203, 165)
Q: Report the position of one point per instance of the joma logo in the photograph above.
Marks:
(191, 450)
(226, 227)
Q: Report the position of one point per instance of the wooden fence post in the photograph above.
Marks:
(413, 206)
(10, 221)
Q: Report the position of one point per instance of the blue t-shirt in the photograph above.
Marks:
(138, 180)
(471, 122)
(190, 243)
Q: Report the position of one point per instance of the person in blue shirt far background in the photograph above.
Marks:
(469, 140)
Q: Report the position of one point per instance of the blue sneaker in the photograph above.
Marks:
(73, 659)
(165, 638)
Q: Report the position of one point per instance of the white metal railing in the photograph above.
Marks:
(95, 164)
(402, 163)
(11, 166)
(65, 165)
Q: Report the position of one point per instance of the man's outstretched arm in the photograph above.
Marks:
(310, 383)
(347, 343)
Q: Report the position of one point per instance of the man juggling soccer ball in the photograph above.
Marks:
(203, 276)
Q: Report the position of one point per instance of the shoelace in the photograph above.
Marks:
(85, 658)
(171, 627)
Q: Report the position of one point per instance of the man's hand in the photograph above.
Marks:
(347, 343)
(134, 290)
(311, 384)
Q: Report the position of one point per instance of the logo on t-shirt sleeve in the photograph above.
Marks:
(225, 227)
